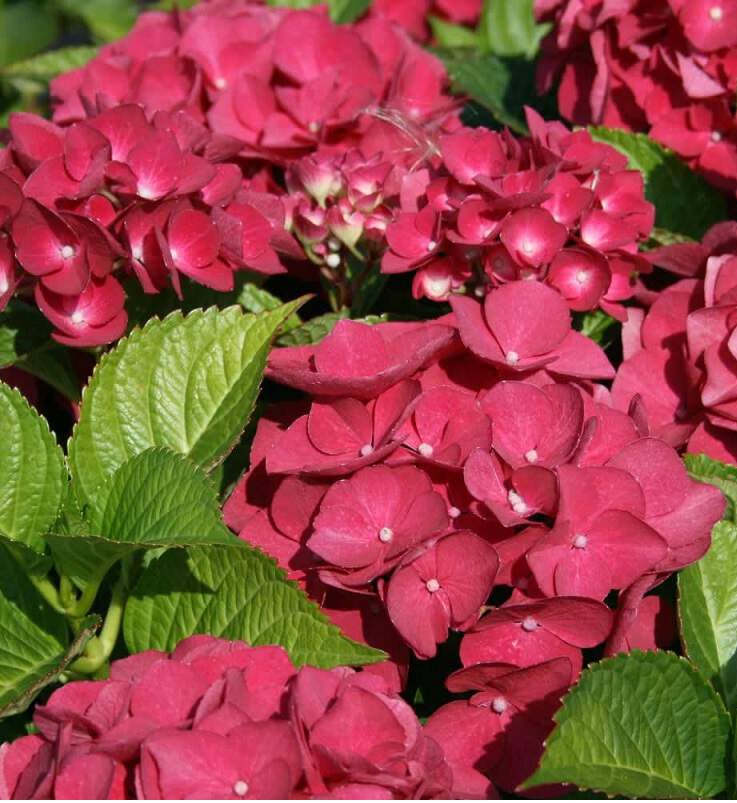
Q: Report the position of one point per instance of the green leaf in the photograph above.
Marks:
(32, 473)
(107, 19)
(33, 637)
(53, 365)
(185, 383)
(598, 326)
(155, 499)
(450, 36)
(255, 299)
(641, 725)
(508, 28)
(159, 498)
(22, 329)
(26, 27)
(704, 469)
(345, 11)
(660, 237)
(503, 86)
(684, 203)
(707, 609)
(45, 66)
(312, 331)
(236, 594)
(27, 691)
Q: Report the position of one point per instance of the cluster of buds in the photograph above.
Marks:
(556, 207)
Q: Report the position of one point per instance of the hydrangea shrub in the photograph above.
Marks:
(355, 445)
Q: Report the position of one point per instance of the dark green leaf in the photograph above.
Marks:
(684, 203)
(22, 329)
(26, 27)
(312, 331)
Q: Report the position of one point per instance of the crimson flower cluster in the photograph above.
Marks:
(159, 161)
(680, 355)
(664, 65)
(235, 723)
(435, 463)
(556, 207)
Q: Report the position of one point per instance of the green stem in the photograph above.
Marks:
(48, 591)
(100, 648)
(67, 592)
(81, 606)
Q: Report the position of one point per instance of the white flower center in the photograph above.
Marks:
(454, 512)
(332, 260)
(174, 254)
(314, 127)
(386, 535)
(432, 585)
(220, 83)
(425, 449)
(66, 251)
(512, 358)
(532, 456)
(499, 705)
(528, 246)
(4, 284)
(580, 541)
(529, 624)
(240, 788)
(716, 136)
(517, 503)
(333, 244)
(77, 317)
(432, 245)
(582, 277)
(716, 13)
(146, 192)
(137, 252)
(366, 450)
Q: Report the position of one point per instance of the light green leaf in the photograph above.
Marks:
(22, 329)
(684, 203)
(641, 725)
(449, 35)
(312, 331)
(33, 637)
(236, 594)
(27, 691)
(159, 498)
(185, 383)
(255, 299)
(508, 28)
(45, 66)
(26, 27)
(32, 473)
(707, 609)
(724, 476)
(660, 237)
(155, 499)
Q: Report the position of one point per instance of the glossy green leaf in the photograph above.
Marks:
(312, 331)
(185, 383)
(26, 691)
(33, 637)
(707, 609)
(508, 28)
(450, 36)
(32, 472)
(237, 594)
(640, 725)
(684, 203)
(724, 476)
